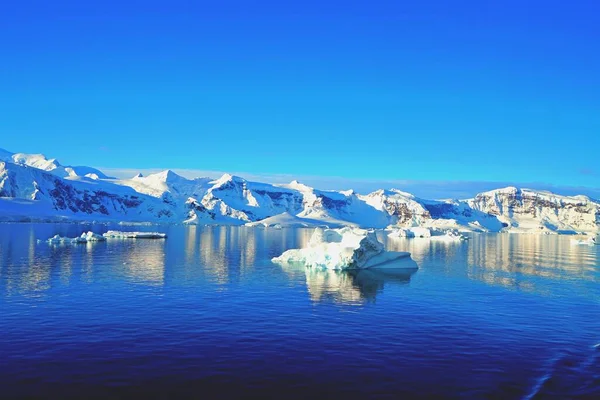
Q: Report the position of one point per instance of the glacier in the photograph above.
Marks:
(344, 248)
(36, 188)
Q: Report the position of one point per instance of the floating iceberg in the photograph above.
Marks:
(411, 232)
(92, 237)
(345, 248)
(451, 236)
(589, 241)
(84, 238)
(448, 235)
(134, 235)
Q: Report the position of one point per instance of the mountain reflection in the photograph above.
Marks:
(503, 260)
(195, 255)
(145, 261)
(229, 253)
(353, 287)
(511, 260)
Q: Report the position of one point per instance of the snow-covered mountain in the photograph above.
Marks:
(531, 210)
(51, 165)
(35, 188)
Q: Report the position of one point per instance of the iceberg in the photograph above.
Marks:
(84, 238)
(345, 248)
(134, 235)
(451, 236)
(589, 241)
(447, 235)
(92, 237)
(411, 232)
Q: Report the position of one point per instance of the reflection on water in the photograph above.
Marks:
(145, 264)
(539, 255)
(510, 260)
(351, 287)
(225, 255)
(496, 316)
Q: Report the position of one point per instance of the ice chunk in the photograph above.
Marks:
(57, 239)
(589, 241)
(411, 232)
(134, 235)
(92, 237)
(401, 232)
(345, 248)
(84, 238)
(451, 236)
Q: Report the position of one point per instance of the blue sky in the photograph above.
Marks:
(436, 91)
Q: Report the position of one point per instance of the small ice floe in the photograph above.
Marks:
(84, 238)
(414, 232)
(451, 236)
(591, 241)
(345, 248)
(134, 235)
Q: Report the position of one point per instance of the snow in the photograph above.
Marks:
(51, 165)
(345, 248)
(36, 188)
(287, 220)
(167, 182)
(134, 235)
(536, 211)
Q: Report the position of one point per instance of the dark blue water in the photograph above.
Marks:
(205, 314)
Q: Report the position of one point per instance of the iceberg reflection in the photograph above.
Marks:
(353, 286)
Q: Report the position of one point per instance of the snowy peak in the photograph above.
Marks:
(296, 185)
(40, 186)
(227, 180)
(36, 160)
(52, 165)
(166, 176)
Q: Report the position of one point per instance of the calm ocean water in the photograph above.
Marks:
(205, 314)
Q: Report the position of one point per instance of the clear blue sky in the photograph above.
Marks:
(425, 90)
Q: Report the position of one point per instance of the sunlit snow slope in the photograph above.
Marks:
(35, 188)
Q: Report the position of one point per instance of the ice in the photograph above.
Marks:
(451, 236)
(589, 241)
(87, 237)
(84, 238)
(286, 220)
(92, 237)
(345, 248)
(411, 232)
(134, 235)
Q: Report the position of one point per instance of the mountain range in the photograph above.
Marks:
(35, 188)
